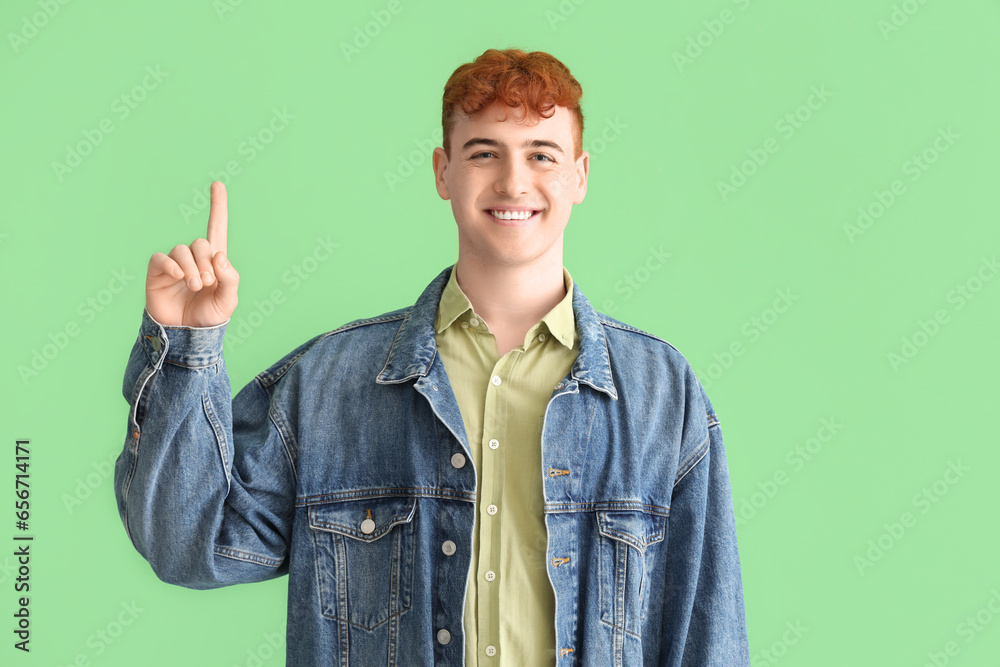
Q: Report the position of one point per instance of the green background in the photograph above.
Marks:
(825, 542)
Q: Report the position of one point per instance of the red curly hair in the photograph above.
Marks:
(536, 81)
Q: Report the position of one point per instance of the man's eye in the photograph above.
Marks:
(543, 156)
(480, 154)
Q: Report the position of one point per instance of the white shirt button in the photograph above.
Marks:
(494, 443)
(458, 460)
(367, 526)
(491, 650)
(495, 380)
(491, 510)
(474, 322)
(490, 575)
(541, 337)
(465, 325)
(443, 636)
(449, 548)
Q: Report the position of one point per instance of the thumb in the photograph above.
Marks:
(229, 280)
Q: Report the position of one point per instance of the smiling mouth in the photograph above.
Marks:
(513, 215)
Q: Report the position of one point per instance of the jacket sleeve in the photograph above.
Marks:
(205, 482)
(705, 623)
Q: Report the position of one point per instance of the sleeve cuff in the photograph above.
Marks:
(183, 345)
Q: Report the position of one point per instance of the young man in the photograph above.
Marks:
(496, 475)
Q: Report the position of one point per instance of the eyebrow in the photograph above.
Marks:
(528, 143)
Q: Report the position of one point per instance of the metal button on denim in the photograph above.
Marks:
(448, 547)
(443, 636)
(367, 526)
(458, 460)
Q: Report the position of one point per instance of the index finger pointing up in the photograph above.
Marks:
(218, 218)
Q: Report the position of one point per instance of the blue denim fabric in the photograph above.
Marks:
(334, 466)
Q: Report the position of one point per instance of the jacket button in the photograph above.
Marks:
(449, 548)
(443, 636)
(458, 460)
(367, 526)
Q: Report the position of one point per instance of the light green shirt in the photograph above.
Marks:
(509, 604)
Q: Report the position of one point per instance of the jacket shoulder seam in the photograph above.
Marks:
(272, 375)
(693, 460)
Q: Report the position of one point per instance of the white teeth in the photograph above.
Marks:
(512, 215)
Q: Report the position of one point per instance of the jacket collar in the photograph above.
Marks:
(414, 347)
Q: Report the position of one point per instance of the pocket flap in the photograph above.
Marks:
(351, 518)
(635, 527)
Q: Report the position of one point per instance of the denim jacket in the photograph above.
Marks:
(337, 467)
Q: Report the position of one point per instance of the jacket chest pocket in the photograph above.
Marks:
(625, 559)
(364, 559)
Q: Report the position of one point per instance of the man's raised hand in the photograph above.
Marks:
(195, 285)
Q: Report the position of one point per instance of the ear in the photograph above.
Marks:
(440, 161)
(582, 172)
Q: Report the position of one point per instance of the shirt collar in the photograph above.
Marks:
(560, 320)
(414, 348)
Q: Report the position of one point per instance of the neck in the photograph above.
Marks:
(512, 297)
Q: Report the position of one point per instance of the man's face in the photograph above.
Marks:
(498, 164)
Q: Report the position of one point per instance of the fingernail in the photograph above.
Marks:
(206, 277)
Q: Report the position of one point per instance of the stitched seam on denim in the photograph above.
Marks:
(625, 327)
(690, 463)
(193, 366)
(369, 494)
(713, 420)
(245, 556)
(586, 446)
(284, 432)
(553, 508)
(220, 435)
(270, 378)
(617, 627)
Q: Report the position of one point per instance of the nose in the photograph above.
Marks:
(513, 179)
